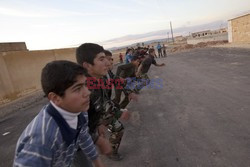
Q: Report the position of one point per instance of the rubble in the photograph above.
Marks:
(199, 45)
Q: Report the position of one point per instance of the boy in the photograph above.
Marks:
(121, 58)
(128, 56)
(144, 68)
(159, 48)
(114, 125)
(60, 128)
(164, 48)
(91, 57)
(110, 75)
(126, 71)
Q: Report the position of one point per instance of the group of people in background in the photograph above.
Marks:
(161, 49)
(85, 111)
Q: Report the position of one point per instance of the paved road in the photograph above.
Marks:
(199, 118)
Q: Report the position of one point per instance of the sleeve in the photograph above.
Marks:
(32, 155)
(118, 114)
(118, 71)
(146, 62)
(87, 145)
(115, 110)
(112, 75)
(129, 58)
(130, 86)
(153, 61)
(122, 68)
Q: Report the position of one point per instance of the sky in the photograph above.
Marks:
(50, 24)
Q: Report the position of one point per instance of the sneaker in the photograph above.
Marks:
(115, 157)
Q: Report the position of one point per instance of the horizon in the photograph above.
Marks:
(62, 24)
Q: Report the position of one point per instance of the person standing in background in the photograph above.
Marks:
(164, 49)
(121, 58)
(159, 50)
(128, 56)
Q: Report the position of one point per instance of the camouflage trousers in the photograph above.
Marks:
(117, 99)
(142, 81)
(116, 129)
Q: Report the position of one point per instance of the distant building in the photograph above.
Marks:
(13, 46)
(222, 30)
(208, 36)
(201, 34)
(179, 39)
(239, 29)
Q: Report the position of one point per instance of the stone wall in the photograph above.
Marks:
(240, 29)
(13, 46)
(20, 71)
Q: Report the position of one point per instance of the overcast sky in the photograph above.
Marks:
(47, 24)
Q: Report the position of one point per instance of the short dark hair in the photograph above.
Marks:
(87, 53)
(151, 50)
(107, 53)
(134, 58)
(57, 76)
(128, 50)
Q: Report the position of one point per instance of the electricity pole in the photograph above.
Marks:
(168, 36)
(172, 31)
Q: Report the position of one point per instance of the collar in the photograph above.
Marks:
(70, 118)
(68, 134)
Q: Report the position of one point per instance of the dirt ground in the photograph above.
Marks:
(199, 117)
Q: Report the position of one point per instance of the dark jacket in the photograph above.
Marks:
(126, 70)
(146, 63)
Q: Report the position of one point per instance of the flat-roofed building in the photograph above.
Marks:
(12, 46)
(239, 29)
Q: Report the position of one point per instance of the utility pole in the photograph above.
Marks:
(168, 36)
(172, 31)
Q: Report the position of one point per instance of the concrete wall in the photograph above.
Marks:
(241, 29)
(20, 71)
(230, 37)
(12, 46)
(214, 37)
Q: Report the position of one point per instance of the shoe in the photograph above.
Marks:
(115, 157)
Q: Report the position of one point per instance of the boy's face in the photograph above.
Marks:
(76, 97)
(110, 59)
(141, 59)
(136, 62)
(100, 67)
(152, 53)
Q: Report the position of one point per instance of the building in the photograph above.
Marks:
(180, 39)
(13, 46)
(208, 36)
(201, 34)
(239, 29)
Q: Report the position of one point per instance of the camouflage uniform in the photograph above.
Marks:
(115, 127)
(125, 71)
(142, 81)
(110, 118)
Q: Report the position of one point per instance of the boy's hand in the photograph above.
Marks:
(125, 115)
(98, 163)
(133, 96)
(101, 130)
(104, 145)
(137, 74)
